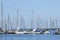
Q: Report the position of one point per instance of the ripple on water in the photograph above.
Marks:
(29, 37)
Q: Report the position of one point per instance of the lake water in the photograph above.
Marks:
(29, 37)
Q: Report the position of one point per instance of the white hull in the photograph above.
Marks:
(19, 32)
(27, 32)
(46, 32)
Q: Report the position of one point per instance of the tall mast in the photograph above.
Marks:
(17, 25)
(32, 20)
(8, 22)
(21, 22)
(38, 21)
(2, 13)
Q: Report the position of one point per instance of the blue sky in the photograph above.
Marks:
(42, 8)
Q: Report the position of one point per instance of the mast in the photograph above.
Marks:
(51, 23)
(32, 20)
(17, 25)
(22, 23)
(9, 23)
(46, 23)
(5, 25)
(2, 13)
(38, 23)
(56, 23)
(32, 24)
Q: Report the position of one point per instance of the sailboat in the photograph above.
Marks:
(46, 30)
(18, 30)
(57, 31)
(1, 28)
(1, 31)
(7, 27)
(37, 30)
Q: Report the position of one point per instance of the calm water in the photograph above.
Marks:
(29, 37)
